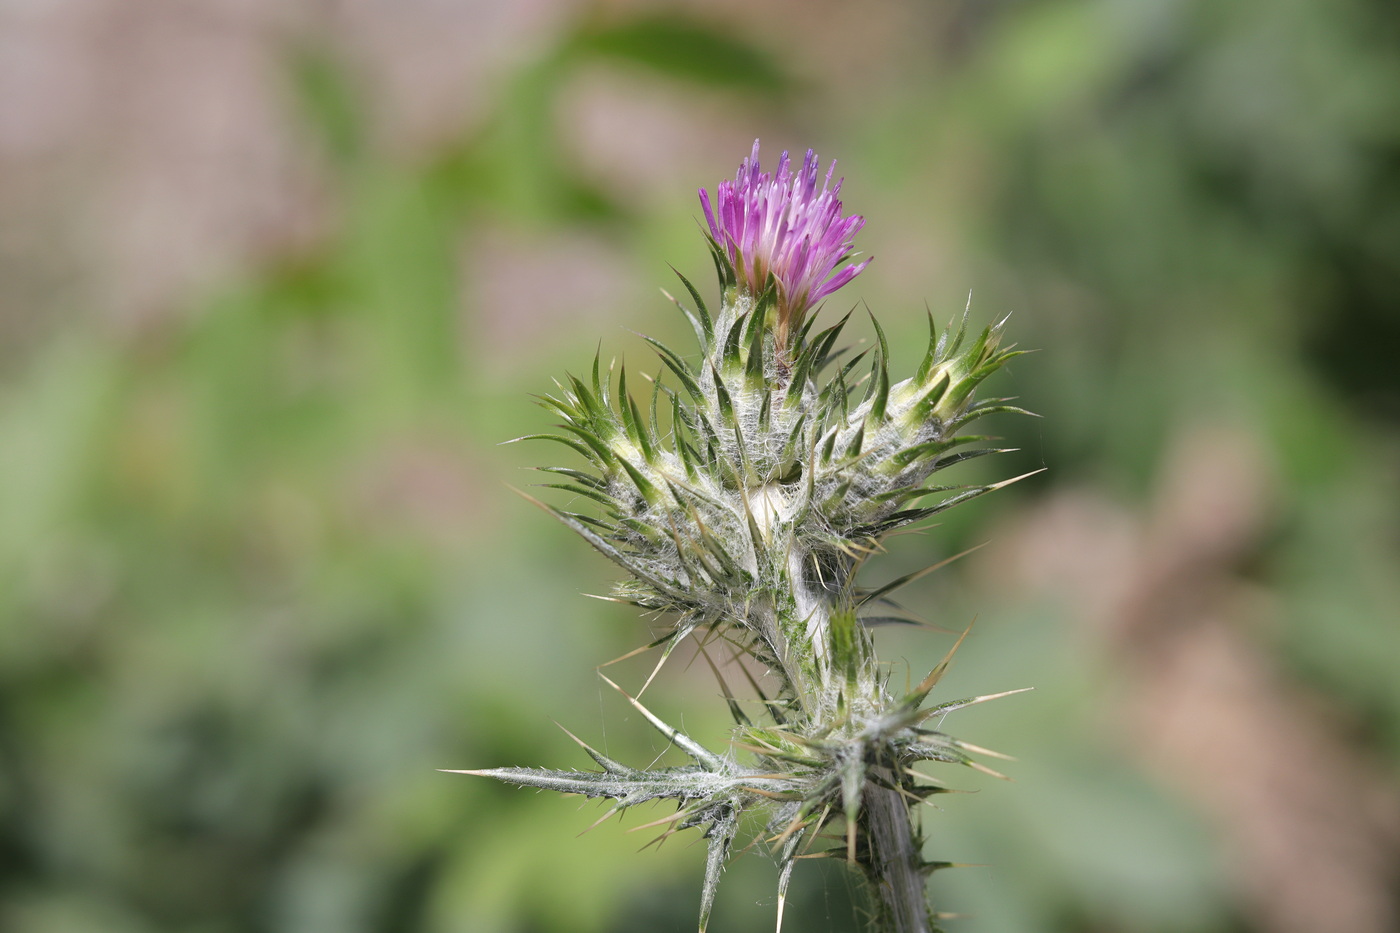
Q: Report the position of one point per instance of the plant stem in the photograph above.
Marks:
(893, 860)
(891, 852)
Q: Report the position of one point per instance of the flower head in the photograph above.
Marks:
(780, 224)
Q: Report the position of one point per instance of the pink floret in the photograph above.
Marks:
(780, 223)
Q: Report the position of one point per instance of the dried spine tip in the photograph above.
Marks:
(749, 515)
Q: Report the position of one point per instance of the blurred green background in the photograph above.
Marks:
(276, 278)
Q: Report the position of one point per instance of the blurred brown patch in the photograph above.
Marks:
(1310, 824)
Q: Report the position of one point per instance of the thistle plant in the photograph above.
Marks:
(742, 495)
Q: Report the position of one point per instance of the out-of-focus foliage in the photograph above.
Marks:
(260, 573)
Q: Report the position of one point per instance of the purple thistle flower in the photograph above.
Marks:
(780, 224)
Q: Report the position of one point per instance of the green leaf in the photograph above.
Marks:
(644, 486)
(610, 551)
(705, 333)
(594, 494)
(601, 452)
(930, 356)
(687, 49)
(729, 351)
(332, 106)
(790, 449)
(753, 368)
(721, 834)
(678, 366)
(578, 476)
(879, 394)
(586, 451)
(923, 409)
(853, 448)
(724, 269)
(883, 591)
(701, 755)
(826, 340)
(726, 404)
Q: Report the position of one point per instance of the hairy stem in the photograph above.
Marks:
(890, 850)
(893, 860)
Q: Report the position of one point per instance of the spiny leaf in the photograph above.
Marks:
(956, 330)
(726, 405)
(578, 490)
(560, 407)
(852, 772)
(927, 450)
(797, 385)
(879, 394)
(702, 755)
(829, 445)
(978, 351)
(924, 408)
(802, 340)
(607, 764)
(644, 440)
(841, 380)
(766, 303)
(653, 423)
(794, 438)
(753, 366)
(786, 861)
(578, 476)
(824, 341)
(681, 633)
(600, 386)
(695, 324)
(700, 308)
(592, 522)
(930, 356)
(678, 366)
(951, 705)
(644, 486)
(723, 828)
(642, 787)
(608, 550)
(735, 710)
(908, 578)
(586, 451)
(961, 390)
(689, 459)
(975, 491)
(837, 495)
(853, 448)
(960, 456)
(724, 269)
(729, 350)
(916, 697)
(632, 420)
